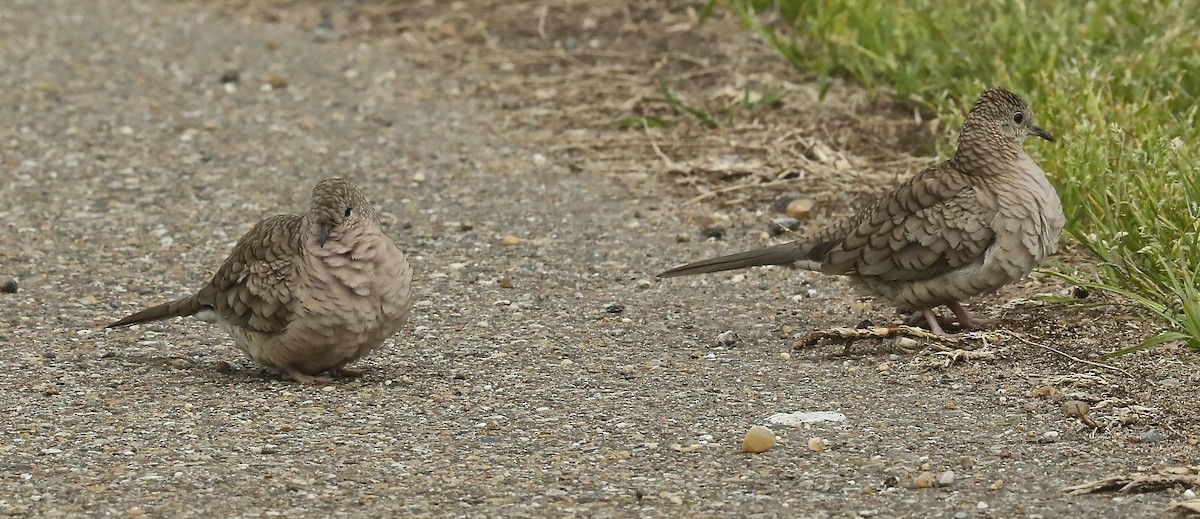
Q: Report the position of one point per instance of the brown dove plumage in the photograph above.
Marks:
(306, 294)
(963, 227)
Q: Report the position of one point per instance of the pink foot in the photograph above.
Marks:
(966, 320)
(931, 319)
(291, 374)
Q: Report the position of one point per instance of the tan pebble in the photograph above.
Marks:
(785, 356)
(1076, 408)
(136, 512)
(277, 81)
(946, 478)
(883, 366)
(924, 480)
(951, 405)
(925, 467)
(817, 444)
(510, 240)
(799, 208)
(1193, 441)
(758, 439)
(1044, 391)
(505, 282)
(907, 343)
(966, 462)
(997, 485)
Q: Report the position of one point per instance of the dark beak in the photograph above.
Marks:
(324, 235)
(1037, 130)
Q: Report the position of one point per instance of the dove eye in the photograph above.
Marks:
(347, 215)
(1017, 118)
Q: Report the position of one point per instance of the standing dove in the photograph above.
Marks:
(306, 294)
(964, 227)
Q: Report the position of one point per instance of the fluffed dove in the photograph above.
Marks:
(963, 227)
(306, 294)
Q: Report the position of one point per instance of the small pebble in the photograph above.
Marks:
(715, 232)
(614, 308)
(817, 444)
(683, 238)
(728, 339)
(9, 287)
(946, 478)
(924, 480)
(1044, 391)
(1048, 437)
(781, 204)
(1189, 493)
(1150, 436)
(799, 208)
(906, 343)
(510, 240)
(758, 439)
(981, 505)
(1076, 408)
(277, 81)
(781, 225)
(961, 515)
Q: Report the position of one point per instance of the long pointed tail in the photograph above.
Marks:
(782, 254)
(178, 308)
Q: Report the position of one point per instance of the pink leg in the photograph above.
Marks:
(966, 320)
(302, 378)
(931, 318)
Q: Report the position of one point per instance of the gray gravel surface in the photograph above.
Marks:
(545, 373)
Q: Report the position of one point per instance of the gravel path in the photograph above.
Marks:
(545, 373)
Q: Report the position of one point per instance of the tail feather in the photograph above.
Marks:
(782, 254)
(178, 308)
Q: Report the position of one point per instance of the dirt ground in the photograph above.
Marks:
(546, 372)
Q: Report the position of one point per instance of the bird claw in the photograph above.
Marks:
(312, 380)
(963, 318)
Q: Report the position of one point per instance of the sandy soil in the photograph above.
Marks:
(546, 371)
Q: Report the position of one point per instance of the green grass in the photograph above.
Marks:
(1116, 82)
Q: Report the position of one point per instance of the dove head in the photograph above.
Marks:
(999, 120)
(336, 207)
